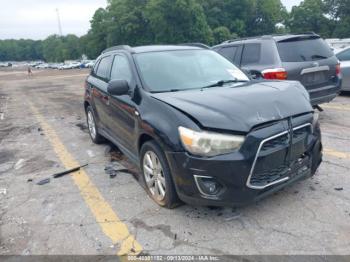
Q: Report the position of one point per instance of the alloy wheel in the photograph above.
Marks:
(154, 175)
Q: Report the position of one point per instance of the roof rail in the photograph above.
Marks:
(265, 37)
(118, 47)
(196, 45)
(245, 38)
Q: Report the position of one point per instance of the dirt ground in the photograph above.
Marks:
(43, 131)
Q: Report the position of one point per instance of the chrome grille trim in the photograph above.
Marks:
(248, 184)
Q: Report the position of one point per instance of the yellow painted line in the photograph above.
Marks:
(337, 107)
(108, 220)
(335, 153)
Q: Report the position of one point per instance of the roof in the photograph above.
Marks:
(277, 38)
(155, 48)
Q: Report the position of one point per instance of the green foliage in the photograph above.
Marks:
(221, 34)
(177, 21)
(139, 22)
(309, 17)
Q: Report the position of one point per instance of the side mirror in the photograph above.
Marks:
(118, 87)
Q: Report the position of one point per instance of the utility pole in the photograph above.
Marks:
(59, 22)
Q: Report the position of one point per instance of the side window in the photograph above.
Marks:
(95, 67)
(344, 56)
(228, 52)
(251, 54)
(121, 69)
(104, 67)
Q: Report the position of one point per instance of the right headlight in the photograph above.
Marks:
(209, 143)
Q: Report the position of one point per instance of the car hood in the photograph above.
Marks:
(241, 107)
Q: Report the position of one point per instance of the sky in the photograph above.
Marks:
(37, 19)
(290, 3)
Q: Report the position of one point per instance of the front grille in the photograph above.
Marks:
(269, 176)
(276, 155)
(275, 143)
(301, 133)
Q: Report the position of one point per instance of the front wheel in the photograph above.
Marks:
(156, 175)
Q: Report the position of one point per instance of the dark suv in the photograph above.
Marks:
(305, 58)
(198, 128)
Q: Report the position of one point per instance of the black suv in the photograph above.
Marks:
(198, 128)
(305, 58)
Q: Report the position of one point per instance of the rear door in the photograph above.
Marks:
(98, 82)
(344, 58)
(309, 59)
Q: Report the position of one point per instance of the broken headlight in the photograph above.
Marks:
(209, 143)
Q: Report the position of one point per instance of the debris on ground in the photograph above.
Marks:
(68, 171)
(113, 168)
(83, 127)
(312, 188)
(116, 156)
(338, 188)
(44, 181)
(60, 174)
(3, 191)
(30, 180)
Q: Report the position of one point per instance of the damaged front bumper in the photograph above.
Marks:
(272, 157)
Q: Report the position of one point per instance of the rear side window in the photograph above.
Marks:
(251, 54)
(344, 56)
(104, 67)
(300, 50)
(121, 69)
(228, 52)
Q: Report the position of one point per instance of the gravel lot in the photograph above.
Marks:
(43, 131)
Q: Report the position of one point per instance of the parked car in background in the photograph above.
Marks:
(337, 43)
(90, 64)
(198, 128)
(5, 64)
(304, 57)
(71, 65)
(42, 66)
(344, 57)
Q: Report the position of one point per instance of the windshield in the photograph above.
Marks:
(186, 69)
(303, 50)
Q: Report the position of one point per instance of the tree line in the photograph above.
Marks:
(139, 22)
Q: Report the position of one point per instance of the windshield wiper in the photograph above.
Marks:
(222, 82)
(170, 90)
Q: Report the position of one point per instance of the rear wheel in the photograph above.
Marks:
(156, 175)
(92, 126)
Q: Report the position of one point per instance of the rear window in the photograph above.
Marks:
(300, 50)
(251, 54)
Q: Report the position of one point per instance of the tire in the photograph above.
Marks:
(92, 126)
(158, 177)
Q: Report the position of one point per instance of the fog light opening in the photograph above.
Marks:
(207, 185)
